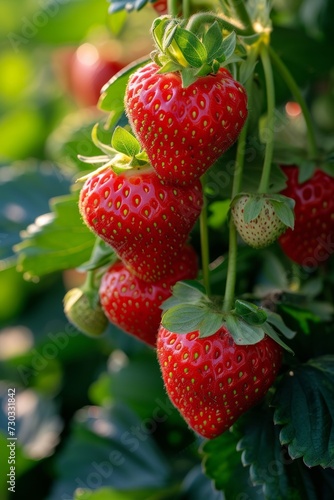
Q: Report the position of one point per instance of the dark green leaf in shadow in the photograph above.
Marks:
(109, 447)
(304, 407)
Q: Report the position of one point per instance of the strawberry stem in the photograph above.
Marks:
(295, 91)
(233, 245)
(236, 188)
(205, 254)
(270, 88)
(185, 8)
(231, 268)
(172, 6)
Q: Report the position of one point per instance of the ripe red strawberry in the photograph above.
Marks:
(212, 381)
(146, 222)
(160, 7)
(184, 130)
(312, 241)
(134, 305)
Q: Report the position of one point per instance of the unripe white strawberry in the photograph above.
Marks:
(260, 219)
(80, 313)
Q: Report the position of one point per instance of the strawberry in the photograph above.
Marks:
(184, 130)
(145, 221)
(312, 241)
(257, 220)
(134, 305)
(160, 7)
(86, 317)
(212, 380)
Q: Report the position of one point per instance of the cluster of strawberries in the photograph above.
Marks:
(147, 212)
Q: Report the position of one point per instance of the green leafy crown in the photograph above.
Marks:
(192, 54)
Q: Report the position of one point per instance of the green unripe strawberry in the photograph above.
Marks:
(261, 219)
(81, 314)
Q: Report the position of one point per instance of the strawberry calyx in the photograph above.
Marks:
(190, 309)
(123, 155)
(192, 54)
(102, 256)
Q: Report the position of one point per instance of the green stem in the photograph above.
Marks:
(270, 88)
(295, 91)
(242, 14)
(231, 268)
(237, 185)
(172, 7)
(198, 20)
(89, 283)
(233, 246)
(203, 224)
(185, 9)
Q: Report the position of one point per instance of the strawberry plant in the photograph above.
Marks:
(169, 253)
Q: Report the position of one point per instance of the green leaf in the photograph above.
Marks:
(304, 407)
(161, 27)
(306, 170)
(328, 168)
(262, 453)
(183, 318)
(112, 97)
(102, 255)
(168, 35)
(191, 48)
(250, 313)
(168, 67)
(124, 382)
(212, 41)
(284, 209)
(124, 142)
(253, 208)
(242, 332)
(222, 463)
(105, 148)
(210, 324)
(188, 76)
(186, 292)
(229, 44)
(272, 334)
(274, 272)
(276, 320)
(25, 189)
(55, 241)
(196, 486)
(114, 445)
(73, 138)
